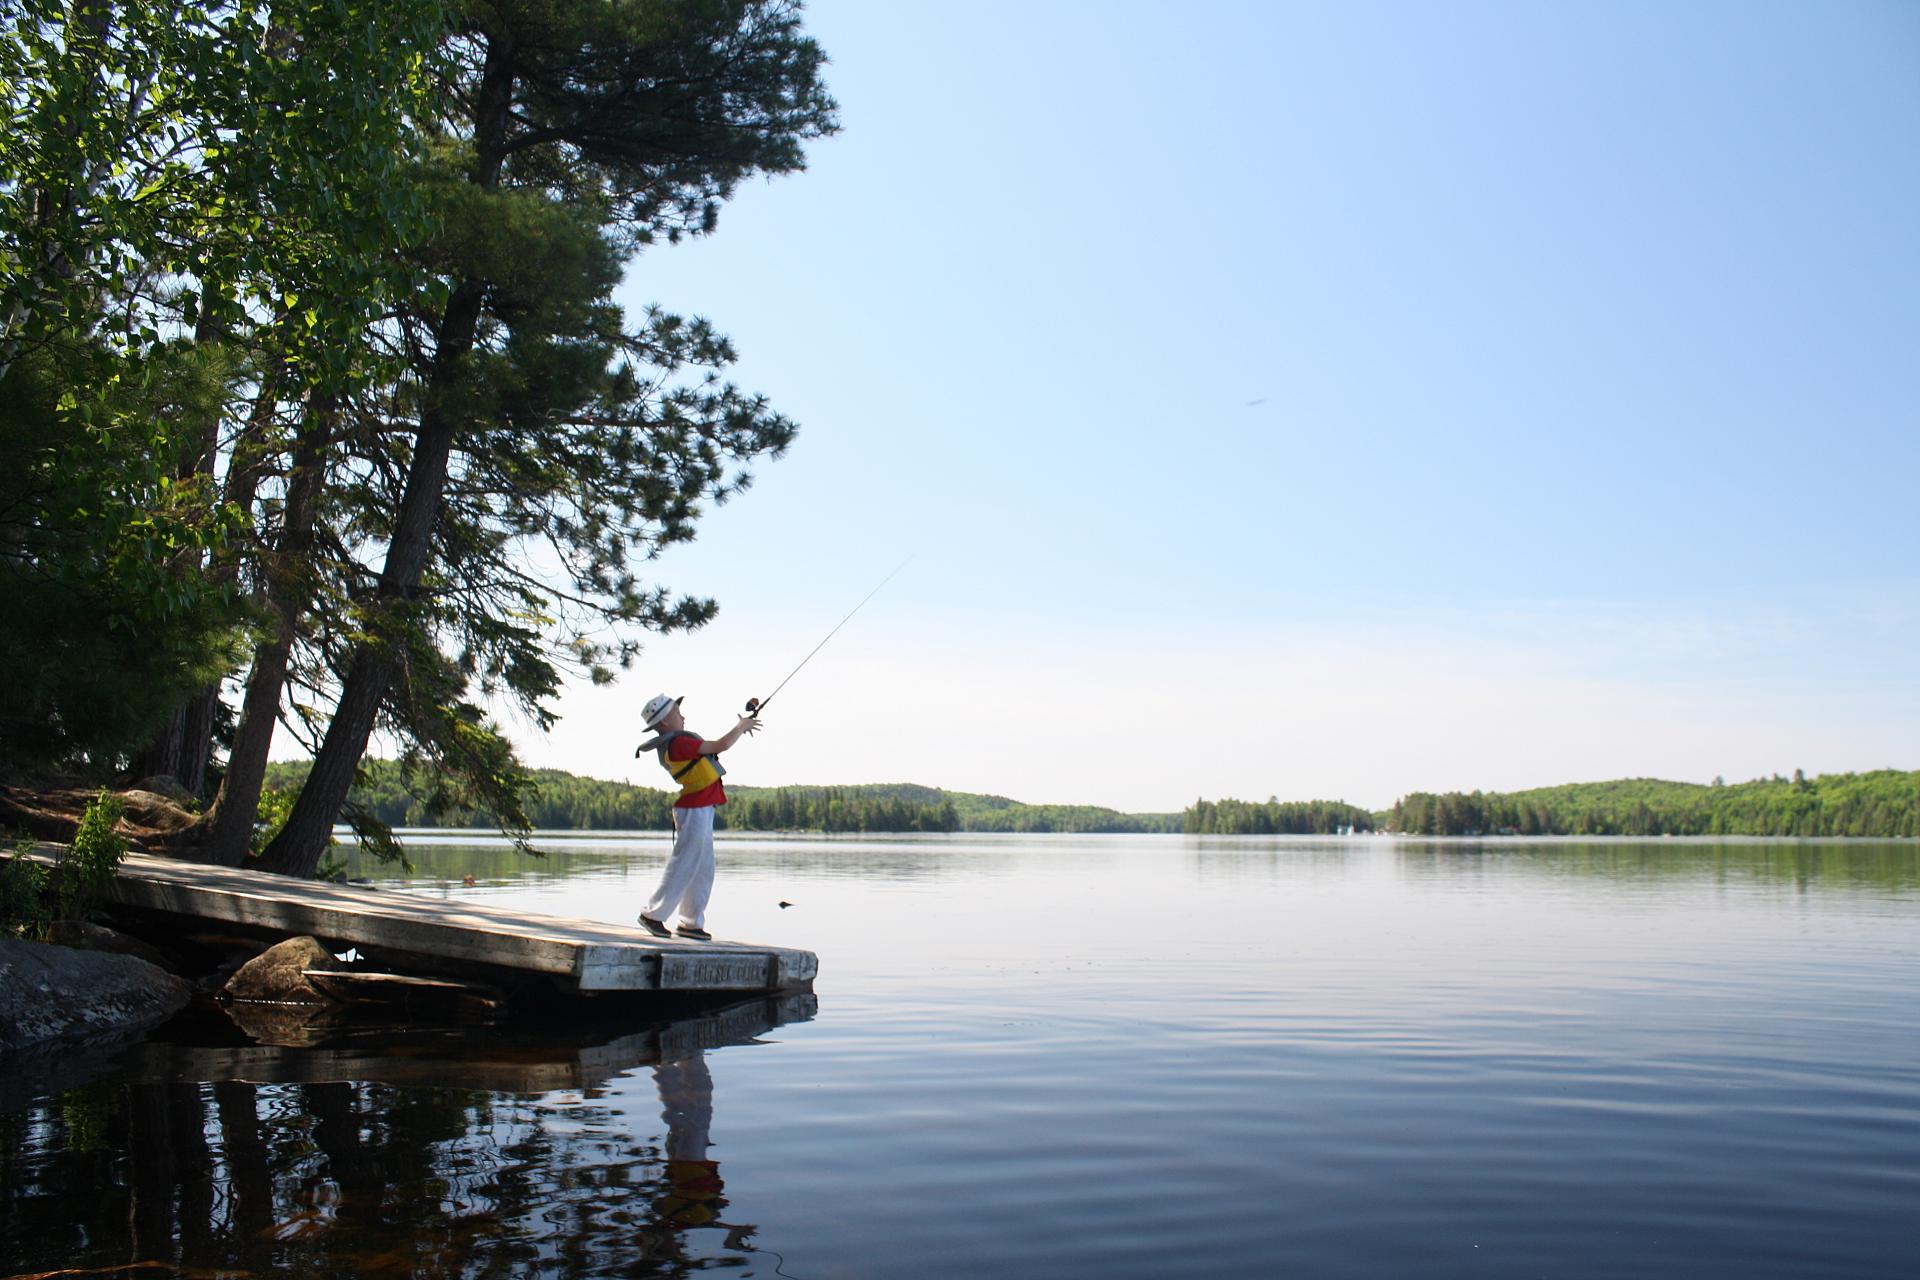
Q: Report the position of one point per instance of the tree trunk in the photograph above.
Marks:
(162, 757)
(296, 850)
(194, 754)
(229, 823)
(196, 745)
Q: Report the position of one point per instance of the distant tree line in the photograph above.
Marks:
(1073, 818)
(909, 807)
(1885, 803)
(833, 809)
(1274, 818)
(562, 801)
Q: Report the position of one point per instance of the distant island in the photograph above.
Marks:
(1884, 804)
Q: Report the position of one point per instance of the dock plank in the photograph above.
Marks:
(585, 955)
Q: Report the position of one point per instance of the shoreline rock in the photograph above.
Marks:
(52, 995)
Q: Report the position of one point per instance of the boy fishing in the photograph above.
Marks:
(693, 762)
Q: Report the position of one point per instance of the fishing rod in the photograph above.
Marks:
(754, 705)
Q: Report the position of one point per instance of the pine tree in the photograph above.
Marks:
(585, 129)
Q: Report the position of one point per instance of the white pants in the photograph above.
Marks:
(687, 882)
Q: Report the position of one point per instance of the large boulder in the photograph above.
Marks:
(52, 994)
(165, 784)
(152, 813)
(278, 974)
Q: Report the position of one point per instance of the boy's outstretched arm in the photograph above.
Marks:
(714, 746)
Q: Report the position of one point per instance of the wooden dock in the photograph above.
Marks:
(438, 935)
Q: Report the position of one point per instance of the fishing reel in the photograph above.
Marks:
(753, 706)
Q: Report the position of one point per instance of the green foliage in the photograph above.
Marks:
(86, 871)
(1293, 817)
(453, 759)
(23, 896)
(275, 804)
(1885, 804)
(224, 162)
(588, 440)
(196, 202)
(376, 837)
(109, 623)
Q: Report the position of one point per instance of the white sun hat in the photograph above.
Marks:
(657, 707)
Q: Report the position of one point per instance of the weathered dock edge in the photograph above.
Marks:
(582, 955)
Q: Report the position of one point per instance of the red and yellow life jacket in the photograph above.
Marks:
(692, 775)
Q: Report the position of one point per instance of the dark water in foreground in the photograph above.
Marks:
(1100, 1057)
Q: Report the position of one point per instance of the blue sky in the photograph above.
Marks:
(1319, 400)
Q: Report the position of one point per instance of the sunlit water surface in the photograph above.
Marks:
(1103, 1057)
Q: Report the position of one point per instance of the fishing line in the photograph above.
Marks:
(754, 705)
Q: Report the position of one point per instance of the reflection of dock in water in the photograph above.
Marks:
(454, 936)
(386, 1151)
(499, 1059)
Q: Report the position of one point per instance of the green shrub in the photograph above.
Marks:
(23, 896)
(276, 806)
(93, 859)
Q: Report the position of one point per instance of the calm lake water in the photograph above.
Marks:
(1066, 1057)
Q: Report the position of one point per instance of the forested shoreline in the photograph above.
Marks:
(566, 802)
(1883, 804)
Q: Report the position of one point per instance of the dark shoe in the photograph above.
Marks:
(654, 927)
(698, 935)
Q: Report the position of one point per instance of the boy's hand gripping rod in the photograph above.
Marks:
(754, 705)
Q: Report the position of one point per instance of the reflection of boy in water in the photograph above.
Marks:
(693, 1198)
(694, 1194)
